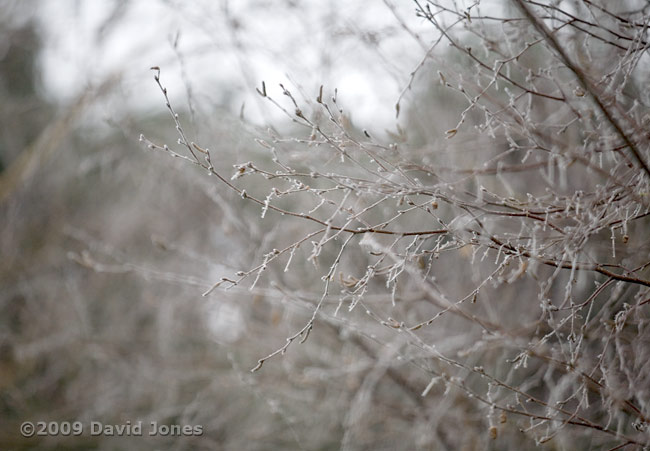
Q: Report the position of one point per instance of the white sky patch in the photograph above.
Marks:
(354, 46)
(364, 101)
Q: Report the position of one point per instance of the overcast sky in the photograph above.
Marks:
(228, 48)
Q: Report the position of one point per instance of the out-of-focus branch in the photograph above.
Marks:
(35, 155)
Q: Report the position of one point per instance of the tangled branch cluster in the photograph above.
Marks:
(505, 262)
